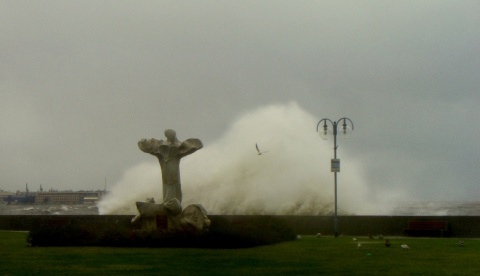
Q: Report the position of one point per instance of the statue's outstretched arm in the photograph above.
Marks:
(189, 146)
(151, 146)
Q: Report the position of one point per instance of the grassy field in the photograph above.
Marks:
(306, 256)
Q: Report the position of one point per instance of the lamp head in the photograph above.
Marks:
(344, 130)
(325, 132)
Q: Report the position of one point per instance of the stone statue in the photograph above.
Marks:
(169, 153)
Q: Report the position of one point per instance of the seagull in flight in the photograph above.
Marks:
(258, 150)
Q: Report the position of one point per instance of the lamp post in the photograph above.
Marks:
(345, 131)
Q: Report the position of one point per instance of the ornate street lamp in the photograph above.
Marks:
(346, 128)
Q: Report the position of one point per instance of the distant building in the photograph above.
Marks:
(81, 197)
(4, 194)
(17, 198)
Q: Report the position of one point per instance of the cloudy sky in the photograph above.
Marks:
(82, 81)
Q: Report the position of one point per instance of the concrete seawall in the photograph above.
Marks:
(460, 226)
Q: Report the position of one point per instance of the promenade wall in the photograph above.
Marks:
(460, 226)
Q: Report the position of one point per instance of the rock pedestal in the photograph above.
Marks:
(192, 220)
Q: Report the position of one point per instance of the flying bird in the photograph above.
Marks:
(258, 150)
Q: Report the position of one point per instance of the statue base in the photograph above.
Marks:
(192, 220)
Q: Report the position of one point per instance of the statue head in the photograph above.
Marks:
(171, 135)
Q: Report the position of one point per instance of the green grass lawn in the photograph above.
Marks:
(306, 256)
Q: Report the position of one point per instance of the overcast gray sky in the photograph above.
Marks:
(82, 81)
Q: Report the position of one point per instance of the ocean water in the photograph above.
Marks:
(228, 177)
(20, 209)
(433, 208)
(437, 208)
